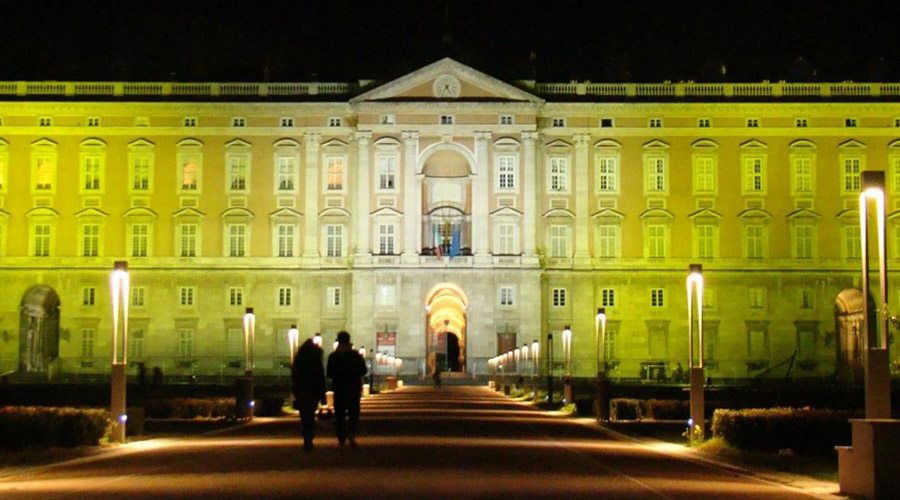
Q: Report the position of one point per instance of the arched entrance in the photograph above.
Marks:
(848, 320)
(445, 328)
(38, 329)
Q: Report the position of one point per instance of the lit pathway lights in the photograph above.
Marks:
(244, 385)
(567, 364)
(550, 367)
(293, 342)
(535, 365)
(602, 379)
(869, 468)
(118, 289)
(524, 369)
(697, 423)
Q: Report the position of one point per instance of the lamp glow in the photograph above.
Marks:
(317, 339)
(118, 290)
(249, 334)
(293, 341)
(567, 349)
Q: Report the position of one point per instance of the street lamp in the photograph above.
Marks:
(567, 364)
(535, 365)
(244, 385)
(550, 367)
(695, 284)
(602, 379)
(293, 341)
(317, 339)
(118, 289)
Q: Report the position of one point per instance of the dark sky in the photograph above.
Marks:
(339, 40)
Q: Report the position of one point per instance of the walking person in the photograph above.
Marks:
(346, 369)
(308, 375)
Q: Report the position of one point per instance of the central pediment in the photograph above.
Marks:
(446, 81)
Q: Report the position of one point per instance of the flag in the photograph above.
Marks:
(437, 241)
(454, 243)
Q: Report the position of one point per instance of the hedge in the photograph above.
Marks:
(42, 427)
(191, 408)
(806, 431)
(627, 409)
(656, 409)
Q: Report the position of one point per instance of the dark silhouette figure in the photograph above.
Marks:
(346, 369)
(436, 377)
(308, 375)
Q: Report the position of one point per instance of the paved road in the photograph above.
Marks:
(456, 442)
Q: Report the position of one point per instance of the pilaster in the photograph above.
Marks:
(363, 255)
(411, 212)
(481, 201)
(530, 202)
(311, 202)
(582, 257)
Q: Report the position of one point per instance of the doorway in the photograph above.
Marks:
(446, 308)
(38, 329)
(848, 320)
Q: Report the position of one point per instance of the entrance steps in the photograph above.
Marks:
(448, 379)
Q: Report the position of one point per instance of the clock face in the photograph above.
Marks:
(446, 86)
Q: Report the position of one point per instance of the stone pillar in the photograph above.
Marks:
(311, 203)
(481, 201)
(363, 230)
(582, 258)
(411, 212)
(530, 201)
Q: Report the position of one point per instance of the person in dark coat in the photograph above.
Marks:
(308, 375)
(346, 369)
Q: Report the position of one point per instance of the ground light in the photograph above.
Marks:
(118, 289)
(244, 385)
(567, 364)
(694, 283)
(602, 379)
(293, 341)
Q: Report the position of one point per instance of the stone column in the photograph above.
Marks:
(311, 202)
(411, 211)
(530, 201)
(582, 259)
(363, 231)
(481, 201)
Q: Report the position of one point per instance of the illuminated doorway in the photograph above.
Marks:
(38, 329)
(446, 306)
(848, 319)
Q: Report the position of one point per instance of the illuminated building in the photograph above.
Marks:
(323, 204)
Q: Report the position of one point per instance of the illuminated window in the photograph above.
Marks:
(506, 120)
(91, 170)
(140, 240)
(506, 172)
(559, 241)
(754, 237)
(185, 342)
(44, 172)
(238, 121)
(655, 123)
(657, 297)
(608, 297)
(387, 172)
(558, 296)
(189, 173)
(507, 238)
(90, 240)
(285, 240)
(287, 172)
(136, 343)
(285, 296)
(558, 122)
(706, 241)
(335, 172)
(238, 166)
(236, 296)
(335, 122)
(656, 174)
(754, 175)
(287, 122)
(386, 239)
(188, 234)
(237, 240)
(186, 296)
(334, 296)
(93, 121)
(88, 340)
(851, 174)
(507, 296)
(704, 174)
(801, 171)
(138, 296)
(852, 242)
(607, 174)
(803, 241)
(88, 296)
(334, 240)
(756, 298)
(608, 236)
(41, 237)
(657, 236)
(559, 173)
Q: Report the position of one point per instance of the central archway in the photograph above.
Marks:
(446, 305)
(38, 329)
(848, 319)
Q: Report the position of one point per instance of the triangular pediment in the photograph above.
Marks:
(284, 213)
(608, 213)
(803, 213)
(506, 212)
(386, 212)
(446, 80)
(705, 213)
(90, 212)
(188, 212)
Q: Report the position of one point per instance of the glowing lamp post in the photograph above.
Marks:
(535, 365)
(602, 379)
(317, 339)
(293, 341)
(695, 289)
(118, 289)
(550, 368)
(244, 385)
(567, 363)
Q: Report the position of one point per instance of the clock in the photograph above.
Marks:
(446, 86)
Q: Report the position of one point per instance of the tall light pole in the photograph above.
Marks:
(695, 284)
(244, 385)
(535, 365)
(293, 341)
(877, 367)
(602, 379)
(550, 367)
(567, 364)
(118, 290)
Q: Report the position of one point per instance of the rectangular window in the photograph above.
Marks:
(285, 240)
(656, 123)
(185, 342)
(140, 239)
(387, 172)
(88, 296)
(559, 173)
(755, 242)
(237, 240)
(506, 239)
(852, 242)
(656, 240)
(43, 172)
(188, 238)
(238, 165)
(236, 296)
(607, 171)
(190, 172)
(806, 343)
(612, 336)
(334, 296)
(558, 122)
(852, 168)
(706, 241)
(559, 241)
(138, 296)
(285, 296)
(287, 166)
(386, 296)
(506, 168)
(756, 298)
(606, 122)
(656, 174)
(657, 297)
(42, 240)
(136, 344)
(186, 296)
(851, 122)
(446, 119)
(507, 296)
(335, 165)
(803, 241)
(704, 174)
(608, 297)
(801, 169)
(90, 240)
(801, 122)
(140, 172)
(234, 339)
(91, 171)
(88, 339)
(752, 122)
(189, 122)
(704, 122)
(334, 240)
(753, 175)
(608, 235)
(93, 121)
(238, 121)
(45, 121)
(287, 122)
(386, 239)
(895, 172)
(335, 122)
(757, 347)
(559, 297)
(806, 299)
(506, 120)
(388, 119)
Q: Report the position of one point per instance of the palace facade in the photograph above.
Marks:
(444, 217)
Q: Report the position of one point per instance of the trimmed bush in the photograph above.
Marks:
(668, 409)
(627, 409)
(807, 431)
(269, 407)
(191, 408)
(42, 427)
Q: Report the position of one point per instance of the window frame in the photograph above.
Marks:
(326, 165)
(510, 176)
(555, 177)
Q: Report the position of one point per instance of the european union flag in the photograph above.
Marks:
(454, 243)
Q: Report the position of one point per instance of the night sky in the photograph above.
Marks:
(637, 40)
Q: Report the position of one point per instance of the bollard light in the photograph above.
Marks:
(600, 339)
(567, 349)
(317, 339)
(249, 334)
(118, 289)
(694, 283)
(293, 341)
(362, 352)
